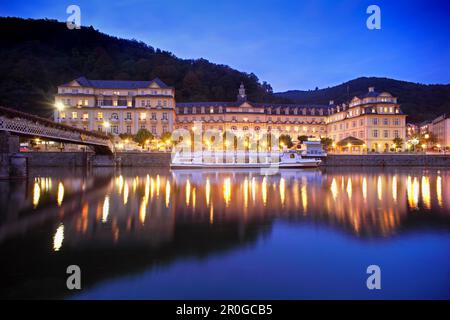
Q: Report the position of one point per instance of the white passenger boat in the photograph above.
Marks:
(312, 149)
(251, 160)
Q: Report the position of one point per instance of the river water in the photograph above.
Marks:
(161, 234)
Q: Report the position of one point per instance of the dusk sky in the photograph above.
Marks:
(290, 44)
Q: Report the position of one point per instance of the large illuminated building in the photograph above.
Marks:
(440, 127)
(116, 106)
(243, 116)
(375, 118)
(371, 121)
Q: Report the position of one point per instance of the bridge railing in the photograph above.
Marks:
(23, 123)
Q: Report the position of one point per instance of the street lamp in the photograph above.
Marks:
(414, 142)
(106, 125)
(59, 106)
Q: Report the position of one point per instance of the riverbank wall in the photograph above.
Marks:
(82, 159)
(387, 160)
(162, 160)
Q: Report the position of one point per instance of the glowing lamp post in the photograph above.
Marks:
(414, 142)
(59, 106)
(106, 125)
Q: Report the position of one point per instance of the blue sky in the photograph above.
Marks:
(296, 44)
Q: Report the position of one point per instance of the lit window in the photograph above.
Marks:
(74, 115)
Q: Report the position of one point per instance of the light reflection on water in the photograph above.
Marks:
(134, 208)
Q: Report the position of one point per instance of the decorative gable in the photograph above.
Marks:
(154, 85)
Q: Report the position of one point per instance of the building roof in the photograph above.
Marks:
(370, 94)
(207, 104)
(441, 118)
(118, 84)
(269, 108)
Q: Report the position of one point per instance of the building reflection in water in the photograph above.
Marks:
(149, 205)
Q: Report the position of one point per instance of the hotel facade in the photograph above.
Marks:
(117, 107)
(440, 127)
(374, 119)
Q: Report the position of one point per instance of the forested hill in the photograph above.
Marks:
(38, 55)
(421, 102)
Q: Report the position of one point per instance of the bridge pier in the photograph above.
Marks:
(12, 163)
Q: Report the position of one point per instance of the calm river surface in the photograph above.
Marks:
(160, 234)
